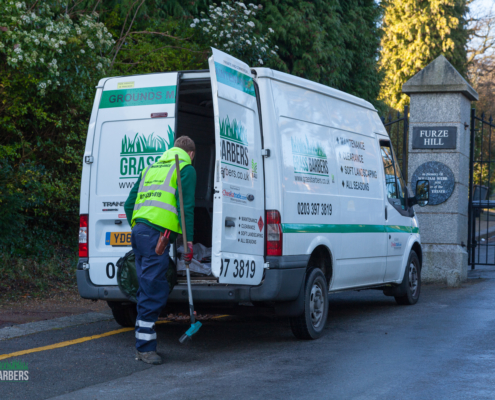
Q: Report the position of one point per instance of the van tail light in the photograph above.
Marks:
(273, 234)
(83, 236)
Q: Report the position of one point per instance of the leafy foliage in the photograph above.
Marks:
(332, 42)
(417, 32)
(46, 90)
(232, 29)
(53, 47)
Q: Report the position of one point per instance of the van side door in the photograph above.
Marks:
(398, 215)
(239, 204)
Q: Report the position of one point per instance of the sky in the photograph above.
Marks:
(480, 8)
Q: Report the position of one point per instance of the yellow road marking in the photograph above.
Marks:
(77, 341)
(220, 316)
(69, 342)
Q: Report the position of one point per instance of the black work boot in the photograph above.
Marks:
(149, 357)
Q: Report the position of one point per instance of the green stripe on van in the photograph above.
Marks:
(345, 228)
(235, 79)
(138, 97)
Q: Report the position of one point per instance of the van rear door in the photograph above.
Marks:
(239, 206)
(134, 126)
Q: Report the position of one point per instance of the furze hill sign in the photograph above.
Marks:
(438, 137)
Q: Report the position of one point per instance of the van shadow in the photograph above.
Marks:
(231, 332)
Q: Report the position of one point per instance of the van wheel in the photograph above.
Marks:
(311, 323)
(124, 313)
(411, 283)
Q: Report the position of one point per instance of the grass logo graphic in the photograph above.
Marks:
(310, 161)
(140, 151)
(234, 131)
(14, 371)
(306, 148)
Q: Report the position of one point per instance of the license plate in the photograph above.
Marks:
(118, 239)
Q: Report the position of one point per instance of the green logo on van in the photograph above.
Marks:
(234, 131)
(309, 158)
(306, 148)
(140, 151)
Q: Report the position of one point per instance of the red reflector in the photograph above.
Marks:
(83, 236)
(159, 115)
(273, 233)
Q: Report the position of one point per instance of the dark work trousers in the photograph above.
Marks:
(153, 287)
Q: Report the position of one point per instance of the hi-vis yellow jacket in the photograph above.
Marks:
(156, 200)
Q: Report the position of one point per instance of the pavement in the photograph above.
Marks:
(441, 348)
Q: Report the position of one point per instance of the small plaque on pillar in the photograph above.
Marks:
(434, 137)
(441, 178)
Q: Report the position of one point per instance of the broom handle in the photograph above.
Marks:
(181, 202)
(184, 237)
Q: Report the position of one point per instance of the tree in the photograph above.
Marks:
(415, 33)
(332, 42)
(481, 59)
(236, 30)
(49, 64)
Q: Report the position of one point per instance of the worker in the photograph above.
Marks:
(152, 209)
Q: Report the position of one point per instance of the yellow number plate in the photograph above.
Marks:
(120, 238)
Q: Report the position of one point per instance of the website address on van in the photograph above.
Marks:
(312, 179)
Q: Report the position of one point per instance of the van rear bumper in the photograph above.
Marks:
(279, 285)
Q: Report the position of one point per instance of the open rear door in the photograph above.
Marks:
(239, 207)
(134, 126)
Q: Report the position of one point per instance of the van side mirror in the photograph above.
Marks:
(422, 192)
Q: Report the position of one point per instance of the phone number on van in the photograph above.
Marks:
(314, 208)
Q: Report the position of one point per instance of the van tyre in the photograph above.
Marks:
(311, 323)
(124, 313)
(411, 283)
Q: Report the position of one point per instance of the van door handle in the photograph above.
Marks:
(386, 213)
(229, 223)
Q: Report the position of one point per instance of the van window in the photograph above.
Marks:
(396, 188)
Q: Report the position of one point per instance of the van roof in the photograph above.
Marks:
(313, 86)
(281, 77)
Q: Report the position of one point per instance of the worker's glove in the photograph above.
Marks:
(189, 256)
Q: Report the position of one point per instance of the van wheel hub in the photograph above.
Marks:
(413, 279)
(316, 305)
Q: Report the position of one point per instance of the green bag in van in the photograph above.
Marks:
(127, 276)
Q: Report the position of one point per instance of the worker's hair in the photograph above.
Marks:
(185, 143)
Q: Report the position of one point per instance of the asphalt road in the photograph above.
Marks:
(441, 348)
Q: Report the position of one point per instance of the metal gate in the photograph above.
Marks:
(481, 208)
(398, 132)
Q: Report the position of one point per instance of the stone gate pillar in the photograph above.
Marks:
(439, 151)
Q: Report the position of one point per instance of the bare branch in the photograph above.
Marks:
(122, 38)
(34, 5)
(158, 33)
(96, 5)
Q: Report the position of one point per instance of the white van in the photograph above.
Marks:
(298, 190)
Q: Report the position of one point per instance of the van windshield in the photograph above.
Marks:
(394, 183)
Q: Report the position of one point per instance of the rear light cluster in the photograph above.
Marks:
(83, 235)
(273, 235)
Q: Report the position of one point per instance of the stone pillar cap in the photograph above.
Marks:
(439, 77)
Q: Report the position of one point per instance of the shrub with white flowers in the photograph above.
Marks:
(231, 27)
(52, 48)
